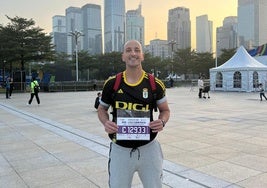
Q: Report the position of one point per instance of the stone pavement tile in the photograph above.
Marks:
(170, 150)
(22, 154)
(5, 168)
(8, 135)
(48, 139)
(218, 152)
(44, 160)
(21, 144)
(77, 182)
(97, 164)
(65, 146)
(250, 161)
(204, 179)
(75, 155)
(259, 181)
(191, 159)
(12, 181)
(256, 140)
(228, 171)
(47, 176)
(189, 145)
(244, 147)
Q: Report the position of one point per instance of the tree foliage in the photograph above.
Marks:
(22, 42)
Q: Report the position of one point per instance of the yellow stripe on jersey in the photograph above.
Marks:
(111, 77)
(160, 83)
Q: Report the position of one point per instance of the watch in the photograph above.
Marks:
(163, 122)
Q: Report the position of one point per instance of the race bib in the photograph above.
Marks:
(133, 126)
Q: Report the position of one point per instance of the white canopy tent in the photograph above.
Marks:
(240, 73)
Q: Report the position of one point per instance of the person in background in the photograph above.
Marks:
(200, 84)
(11, 87)
(34, 87)
(134, 148)
(262, 92)
(7, 85)
(97, 100)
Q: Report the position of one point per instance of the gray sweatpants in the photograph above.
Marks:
(146, 160)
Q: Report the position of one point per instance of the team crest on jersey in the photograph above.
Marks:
(145, 93)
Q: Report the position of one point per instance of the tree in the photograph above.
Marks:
(226, 55)
(22, 42)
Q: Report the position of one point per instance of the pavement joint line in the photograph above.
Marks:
(100, 145)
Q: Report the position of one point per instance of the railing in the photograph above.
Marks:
(74, 86)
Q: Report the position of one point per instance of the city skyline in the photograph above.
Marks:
(154, 12)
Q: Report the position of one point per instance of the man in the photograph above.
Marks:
(133, 129)
(7, 85)
(34, 91)
(200, 84)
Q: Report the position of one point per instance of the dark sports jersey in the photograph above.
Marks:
(132, 100)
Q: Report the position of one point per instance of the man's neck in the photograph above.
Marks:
(133, 76)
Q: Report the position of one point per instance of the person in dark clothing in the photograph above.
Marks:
(97, 100)
(262, 92)
(11, 87)
(7, 85)
(34, 91)
(133, 129)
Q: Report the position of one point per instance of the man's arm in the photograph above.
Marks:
(103, 116)
(164, 115)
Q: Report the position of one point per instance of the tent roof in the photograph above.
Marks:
(241, 60)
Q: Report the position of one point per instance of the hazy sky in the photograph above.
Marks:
(154, 11)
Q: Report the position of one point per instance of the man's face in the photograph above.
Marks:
(132, 54)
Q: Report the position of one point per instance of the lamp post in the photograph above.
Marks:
(172, 43)
(76, 35)
(216, 54)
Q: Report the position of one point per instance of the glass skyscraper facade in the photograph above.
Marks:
(135, 24)
(252, 24)
(73, 23)
(92, 28)
(204, 34)
(114, 25)
(179, 27)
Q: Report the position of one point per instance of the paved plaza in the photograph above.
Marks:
(216, 142)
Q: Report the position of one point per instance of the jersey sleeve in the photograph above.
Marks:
(161, 91)
(107, 93)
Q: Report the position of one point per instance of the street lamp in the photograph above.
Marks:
(216, 54)
(76, 35)
(172, 43)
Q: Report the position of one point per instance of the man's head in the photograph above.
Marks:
(132, 53)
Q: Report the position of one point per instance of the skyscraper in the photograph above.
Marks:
(226, 36)
(179, 27)
(91, 28)
(114, 25)
(135, 25)
(204, 34)
(252, 24)
(73, 23)
(59, 35)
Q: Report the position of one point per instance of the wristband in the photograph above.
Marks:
(163, 122)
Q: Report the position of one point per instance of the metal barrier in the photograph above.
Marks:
(75, 86)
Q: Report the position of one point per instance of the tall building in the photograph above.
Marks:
(158, 48)
(59, 35)
(114, 25)
(204, 34)
(91, 29)
(135, 24)
(226, 35)
(73, 23)
(252, 24)
(179, 28)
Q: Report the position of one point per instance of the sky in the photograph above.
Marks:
(155, 13)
